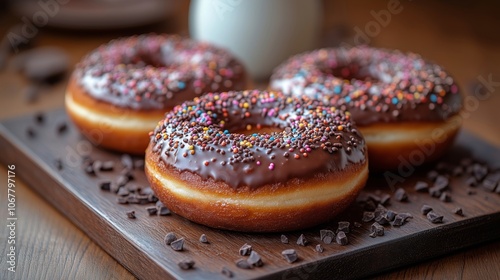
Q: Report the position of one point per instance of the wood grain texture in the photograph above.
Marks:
(138, 243)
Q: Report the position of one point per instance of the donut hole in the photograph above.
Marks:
(351, 72)
(250, 129)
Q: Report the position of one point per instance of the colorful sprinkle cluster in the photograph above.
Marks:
(207, 136)
(373, 84)
(157, 71)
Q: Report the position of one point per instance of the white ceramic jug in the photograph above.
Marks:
(262, 33)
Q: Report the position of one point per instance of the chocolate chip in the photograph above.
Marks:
(319, 248)
(327, 236)
(290, 255)
(458, 211)
(89, 170)
(368, 216)
(61, 128)
(434, 217)
(163, 211)
(107, 166)
(302, 241)
(435, 192)
(377, 229)
(372, 234)
(152, 198)
(105, 186)
(254, 259)
(370, 205)
(127, 161)
(169, 238)
(384, 199)
(123, 191)
(471, 182)
(383, 220)
(152, 210)
(242, 263)
(226, 272)
(128, 174)
(379, 211)
(401, 219)
(96, 165)
(131, 214)
(186, 264)
(39, 118)
(390, 215)
(445, 197)
(342, 238)
(178, 245)
(425, 209)
(122, 200)
(30, 132)
(142, 199)
(203, 239)
(121, 181)
(491, 181)
(400, 195)
(245, 250)
(421, 186)
(284, 239)
(441, 183)
(344, 226)
(132, 199)
(146, 191)
(432, 175)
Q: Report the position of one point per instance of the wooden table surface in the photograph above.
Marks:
(463, 38)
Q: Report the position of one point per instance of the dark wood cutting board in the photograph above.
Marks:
(138, 243)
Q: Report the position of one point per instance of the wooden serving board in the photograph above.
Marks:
(138, 243)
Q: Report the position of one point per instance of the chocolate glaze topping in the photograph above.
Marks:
(157, 71)
(375, 85)
(201, 136)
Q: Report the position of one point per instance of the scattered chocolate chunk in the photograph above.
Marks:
(425, 209)
(370, 205)
(152, 210)
(445, 197)
(242, 263)
(344, 226)
(203, 239)
(319, 248)
(107, 166)
(226, 272)
(441, 183)
(132, 199)
(458, 211)
(400, 195)
(105, 186)
(382, 219)
(61, 128)
(169, 238)
(435, 192)
(401, 219)
(434, 217)
(30, 132)
(327, 236)
(131, 214)
(89, 170)
(377, 228)
(421, 186)
(127, 161)
(390, 215)
(385, 198)
(127, 173)
(146, 191)
(254, 259)
(290, 255)
(284, 239)
(121, 181)
(379, 211)
(245, 250)
(178, 245)
(457, 171)
(142, 199)
(368, 216)
(39, 118)
(186, 264)
(123, 191)
(58, 164)
(432, 175)
(163, 211)
(479, 171)
(356, 224)
(302, 241)
(491, 181)
(133, 188)
(96, 165)
(342, 238)
(471, 182)
(122, 200)
(152, 198)
(372, 234)
(159, 204)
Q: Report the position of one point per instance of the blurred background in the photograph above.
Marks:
(462, 36)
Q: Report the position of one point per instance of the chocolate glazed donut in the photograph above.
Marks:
(256, 161)
(119, 91)
(407, 108)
